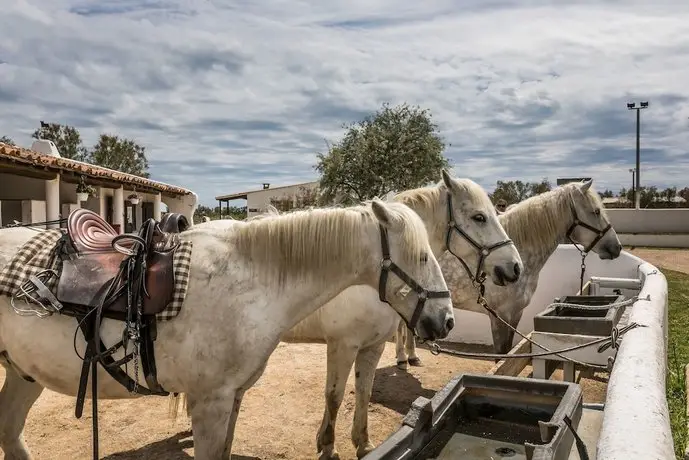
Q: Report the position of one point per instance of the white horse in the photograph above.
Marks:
(536, 225)
(249, 283)
(361, 336)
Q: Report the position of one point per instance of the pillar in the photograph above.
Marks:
(52, 201)
(157, 207)
(102, 203)
(118, 208)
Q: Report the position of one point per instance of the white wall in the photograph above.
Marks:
(185, 205)
(650, 220)
(559, 277)
(260, 199)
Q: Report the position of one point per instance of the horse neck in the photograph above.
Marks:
(433, 212)
(536, 248)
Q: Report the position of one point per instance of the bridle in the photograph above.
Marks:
(387, 265)
(600, 233)
(483, 251)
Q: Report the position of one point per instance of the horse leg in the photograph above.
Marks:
(503, 336)
(340, 359)
(400, 338)
(235, 411)
(410, 347)
(365, 372)
(211, 414)
(16, 398)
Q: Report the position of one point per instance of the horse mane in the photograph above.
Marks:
(424, 200)
(319, 240)
(540, 221)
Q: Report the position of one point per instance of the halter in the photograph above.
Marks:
(483, 251)
(578, 223)
(584, 252)
(387, 265)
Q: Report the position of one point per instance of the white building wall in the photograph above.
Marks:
(258, 201)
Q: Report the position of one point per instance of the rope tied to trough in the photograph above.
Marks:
(605, 342)
(622, 303)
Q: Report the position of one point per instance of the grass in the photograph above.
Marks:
(678, 351)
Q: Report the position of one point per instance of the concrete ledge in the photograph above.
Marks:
(674, 240)
(636, 421)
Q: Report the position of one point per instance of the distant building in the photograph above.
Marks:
(284, 198)
(38, 185)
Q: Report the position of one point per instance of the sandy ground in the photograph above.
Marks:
(674, 259)
(280, 414)
(278, 419)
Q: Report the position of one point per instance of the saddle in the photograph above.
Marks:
(93, 255)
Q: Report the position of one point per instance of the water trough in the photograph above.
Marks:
(476, 417)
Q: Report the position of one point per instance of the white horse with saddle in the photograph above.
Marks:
(248, 284)
(461, 221)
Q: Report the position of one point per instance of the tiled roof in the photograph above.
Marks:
(42, 161)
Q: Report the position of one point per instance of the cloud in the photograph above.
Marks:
(227, 95)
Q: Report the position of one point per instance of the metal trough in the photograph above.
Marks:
(488, 416)
(581, 321)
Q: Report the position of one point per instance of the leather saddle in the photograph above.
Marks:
(93, 254)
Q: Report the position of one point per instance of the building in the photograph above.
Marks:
(38, 186)
(284, 198)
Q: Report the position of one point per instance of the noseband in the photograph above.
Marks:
(578, 223)
(483, 251)
(387, 265)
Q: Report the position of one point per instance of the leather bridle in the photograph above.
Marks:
(483, 251)
(600, 233)
(387, 265)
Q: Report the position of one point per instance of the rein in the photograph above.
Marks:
(387, 265)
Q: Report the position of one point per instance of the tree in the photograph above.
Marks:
(236, 213)
(6, 140)
(397, 148)
(66, 138)
(684, 193)
(536, 188)
(607, 193)
(119, 154)
(669, 195)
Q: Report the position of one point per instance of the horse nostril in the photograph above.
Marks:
(517, 270)
(449, 324)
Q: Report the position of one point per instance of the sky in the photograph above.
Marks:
(226, 95)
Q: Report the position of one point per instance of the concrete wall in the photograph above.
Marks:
(650, 220)
(559, 277)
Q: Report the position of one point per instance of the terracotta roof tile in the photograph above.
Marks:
(33, 158)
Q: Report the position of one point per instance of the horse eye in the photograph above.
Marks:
(597, 212)
(424, 259)
(479, 217)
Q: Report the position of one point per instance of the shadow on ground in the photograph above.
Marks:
(171, 448)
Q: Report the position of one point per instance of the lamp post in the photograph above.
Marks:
(637, 188)
(633, 171)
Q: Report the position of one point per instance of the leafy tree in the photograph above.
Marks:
(536, 188)
(66, 138)
(669, 194)
(395, 149)
(684, 193)
(607, 193)
(6, 140)
(119, 154)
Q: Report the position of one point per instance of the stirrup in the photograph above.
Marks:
(37, 292)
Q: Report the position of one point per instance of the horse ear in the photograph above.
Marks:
(447, 179)
(585, 186)
(381, 212)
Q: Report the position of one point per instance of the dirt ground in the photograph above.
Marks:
(280, 414)
(278, 419)
(674, 259)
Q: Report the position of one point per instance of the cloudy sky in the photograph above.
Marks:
(227, 94)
